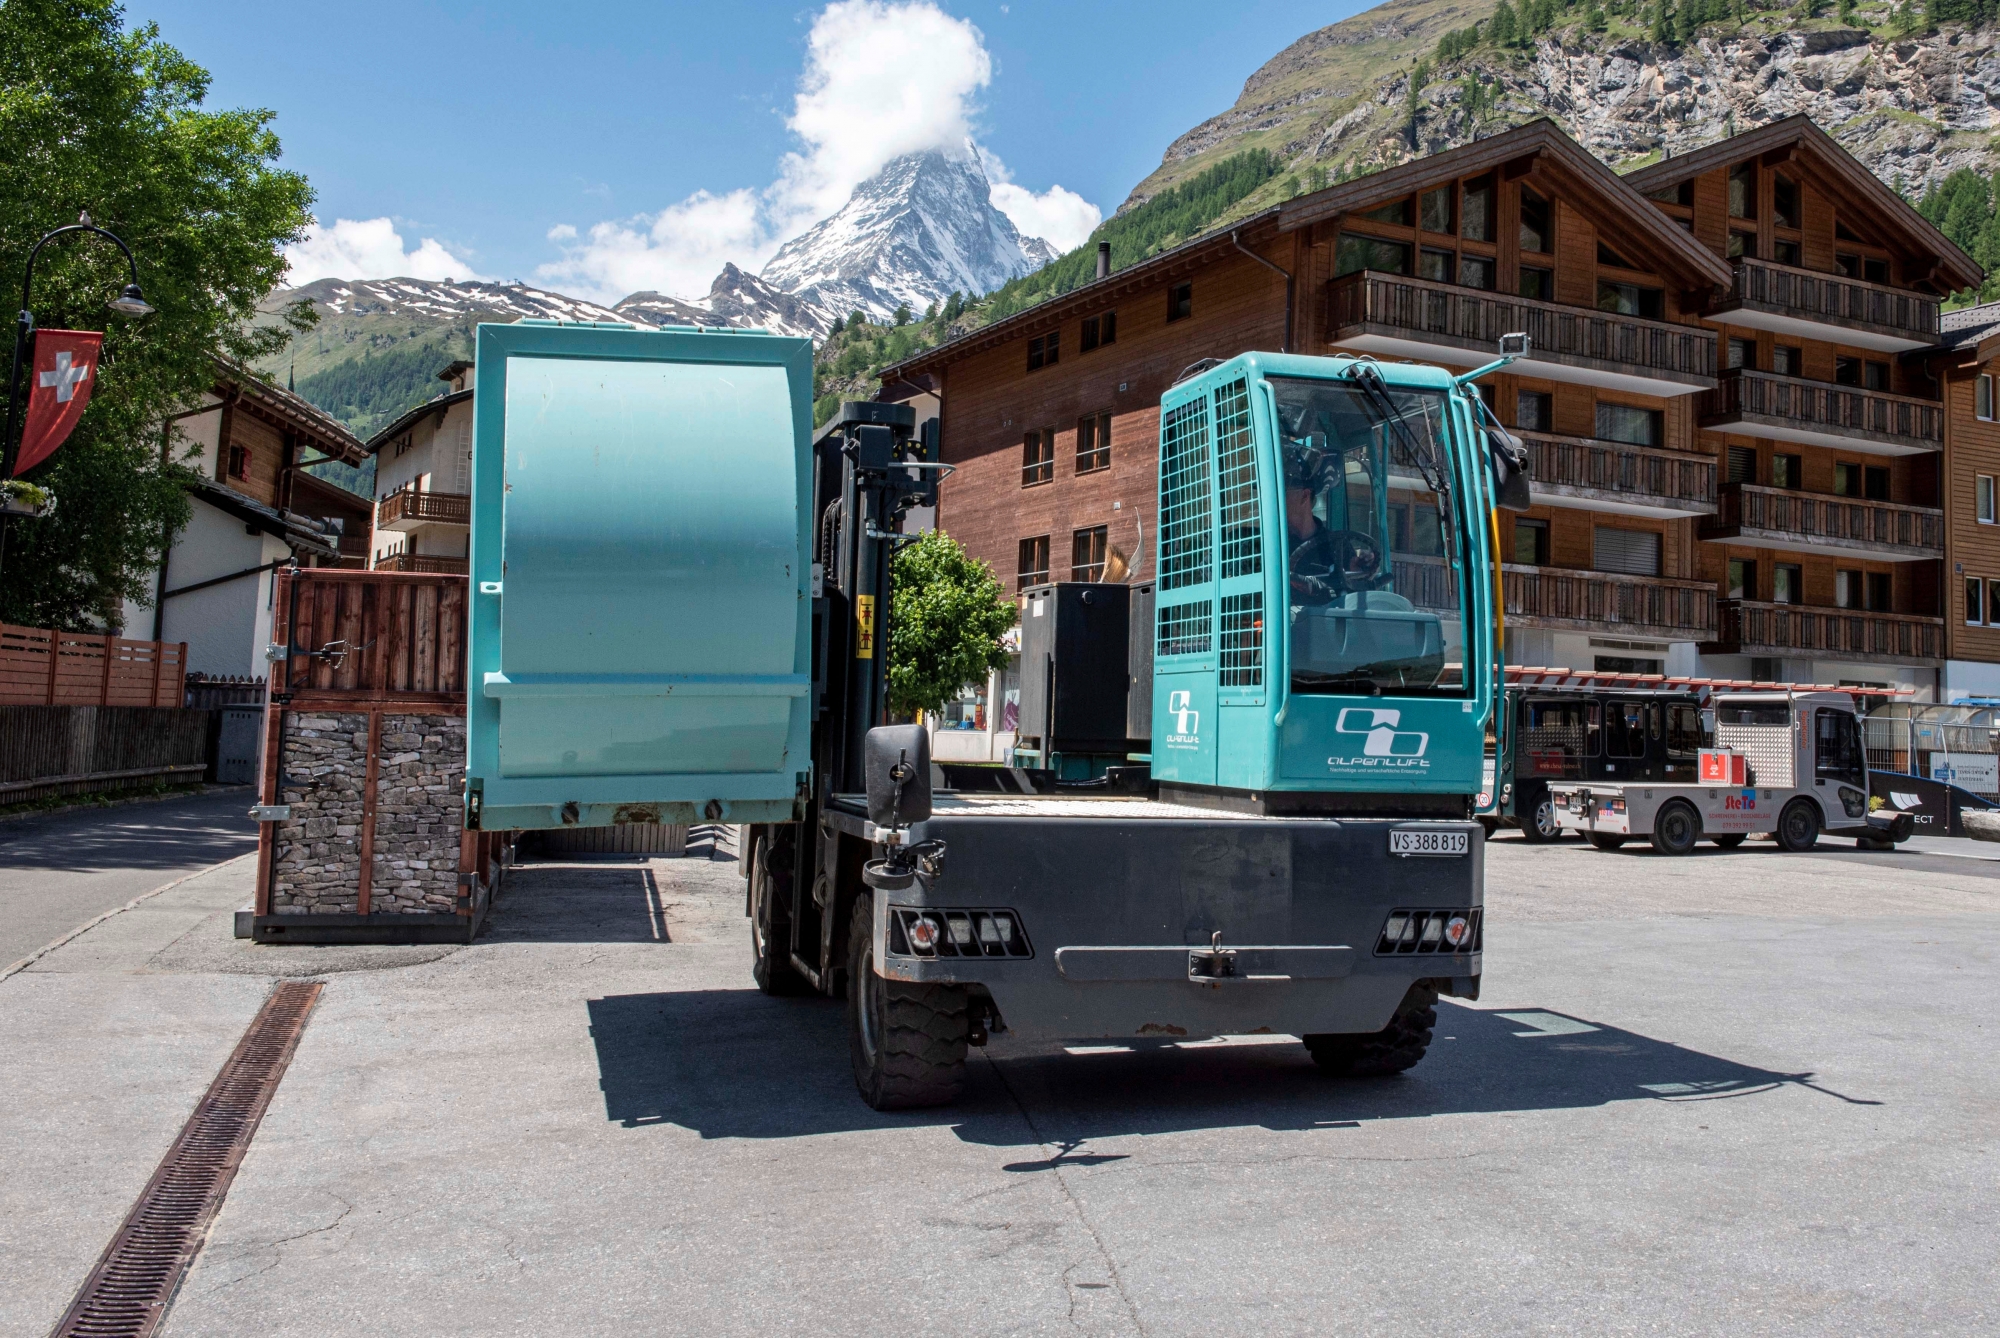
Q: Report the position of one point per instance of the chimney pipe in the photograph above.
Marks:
(1104, 260)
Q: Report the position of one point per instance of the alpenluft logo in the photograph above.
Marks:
(1186, 731)
(1384, 746)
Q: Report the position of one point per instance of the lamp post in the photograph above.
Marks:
(129, 302)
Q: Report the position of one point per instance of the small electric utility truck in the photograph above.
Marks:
(1784, 764)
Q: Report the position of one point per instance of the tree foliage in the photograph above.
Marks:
(1963, 208)
(947, 613)
(370, 392)
(100, 118)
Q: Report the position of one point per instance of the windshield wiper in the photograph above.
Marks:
(1369, 380)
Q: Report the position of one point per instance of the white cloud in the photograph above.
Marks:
(369, 248)
(882, 78)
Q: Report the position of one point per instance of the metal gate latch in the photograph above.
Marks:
(1217, 963)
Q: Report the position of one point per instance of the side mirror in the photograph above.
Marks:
(1514, 345)
(1510, 469)
(897, 763)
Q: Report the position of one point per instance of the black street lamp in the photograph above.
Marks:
(129, 302)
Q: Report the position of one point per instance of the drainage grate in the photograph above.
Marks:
(128, 1293)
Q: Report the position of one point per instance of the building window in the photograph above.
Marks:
(1742, 353)
(1875, 375)
(1874, 270)
(1879, 586)
(1787, 471)
(1038, 457)
(1788, 361)
(1741, 244)
(1788, 583)
(1435, 265)
(1355, 252)
(1099, 331)
(1476, 211)
(1846, 266)
(1786, 252)
(1634, 427)
(1847, 591)
(1743, 190)
(1607, 256)
(1086, 554)
(1982, 403)
(1537, 283)
(1681, 194)
(1742, 466)
(1475, 272)
(1875, 483)
(1531, 542)
(1180, 301)
(1992, 594)
(239, 462)
(1846, 371)
(1630, 552)
(1536, 233)
(1742, 578)
(1434, 210)
(1846, 479)
(1396, 211)
(1033, 563)
(1975, 611)
(1093, 443)
(1534, 410)
(1985, 495)
(1629, 299)
(1784, 202)
(1044, 350)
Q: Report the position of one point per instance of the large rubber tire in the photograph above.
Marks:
(1676, 827)
(908, 1042)
(770, 923)
(1538, 819)
(1606, 840)
(1729, 840)
(1798, 827)
(1393, 1049)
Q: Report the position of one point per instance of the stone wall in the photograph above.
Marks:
(418, 814)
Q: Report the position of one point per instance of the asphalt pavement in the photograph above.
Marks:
(1737, 1091)
(63, 870)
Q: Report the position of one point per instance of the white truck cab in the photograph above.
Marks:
(1786, 764)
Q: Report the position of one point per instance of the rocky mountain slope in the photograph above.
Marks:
(1376, 89)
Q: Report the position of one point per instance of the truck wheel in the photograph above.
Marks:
(1728, 841)
(771, 927)
(1676, 828)
(1606, 840)
(1539, 823)
(1393, 1049)
(1798, 827)
(908, 1041)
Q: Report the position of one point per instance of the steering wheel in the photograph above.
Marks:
(1356, 563)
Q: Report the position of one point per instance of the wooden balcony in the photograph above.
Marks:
(1602, 601)
(1810, 305)
(1748, 627)
(424, 562)
(406, 509)
(1400, 317)
(1613, 476)
(1760, 517)
(1784, 408)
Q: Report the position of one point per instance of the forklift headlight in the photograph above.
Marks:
(1433, 926)
(956, 933)
(923, 933)
(1392, 932)
(1457, 930)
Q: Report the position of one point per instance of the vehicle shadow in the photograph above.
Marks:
(556, 901)
(735, 1064)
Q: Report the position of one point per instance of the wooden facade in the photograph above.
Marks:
(1656, 352)
(1967, 371)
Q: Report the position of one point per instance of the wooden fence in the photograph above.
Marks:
(56, 750)
(43, 668)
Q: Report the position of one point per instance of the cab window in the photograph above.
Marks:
(1556, 737)
(1625, 729)
(1837, 747)
(1683, 730)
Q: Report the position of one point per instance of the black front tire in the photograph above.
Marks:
(770, 919)
(1538, 822)
(1606, 840)
(1393, 1049)
(1798, 827)
(1729, 840)
(1676, 827)
(908, 1042)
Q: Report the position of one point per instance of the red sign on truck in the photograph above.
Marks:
(1724, 768)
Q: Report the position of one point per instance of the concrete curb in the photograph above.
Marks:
(82, 929)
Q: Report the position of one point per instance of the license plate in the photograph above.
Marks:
(1406, 842)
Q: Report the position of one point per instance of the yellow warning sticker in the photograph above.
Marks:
(864, 624)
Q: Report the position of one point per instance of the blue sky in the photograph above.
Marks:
(459, 138)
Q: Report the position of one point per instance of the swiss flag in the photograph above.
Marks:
(58, 387)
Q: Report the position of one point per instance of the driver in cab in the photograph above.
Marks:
(1326, 564)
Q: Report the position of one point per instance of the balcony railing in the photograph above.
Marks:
(1635, 477)
(1568, 343)
(1751, 628)
(407, 507)
(402, 561)
(1598, 601)
(1779, 517)
(1762, 404)
(1894, 317)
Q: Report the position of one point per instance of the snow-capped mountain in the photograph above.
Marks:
(432, 300)
(737, 299)
(918, 230)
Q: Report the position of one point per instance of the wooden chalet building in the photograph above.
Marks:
(423, 480)
(1654, 313)
(1966, 366)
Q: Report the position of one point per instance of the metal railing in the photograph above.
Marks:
(1910, 737)
(1608, 601)
(431, 508)
(1473, 319)
(1679, 479)
(1750, 627)
(401, 560)
(1745, 397)
(1811, 295)
(1816, 518)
